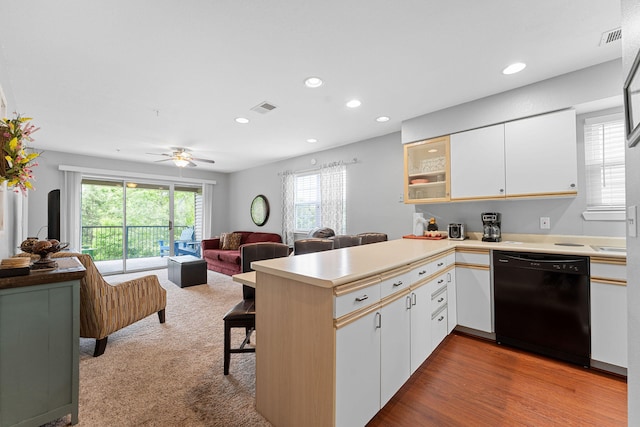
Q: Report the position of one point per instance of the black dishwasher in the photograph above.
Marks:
(541, 304)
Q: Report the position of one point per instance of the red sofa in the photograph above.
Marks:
(227, 261)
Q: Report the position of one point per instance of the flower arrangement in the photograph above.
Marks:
(16, 165)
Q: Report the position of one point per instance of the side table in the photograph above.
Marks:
(187, 270)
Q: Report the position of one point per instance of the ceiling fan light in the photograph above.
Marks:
(181, 162)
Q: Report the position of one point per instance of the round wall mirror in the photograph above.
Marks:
(259, 210)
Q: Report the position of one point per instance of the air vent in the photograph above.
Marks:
(264, 107)
(611, 36)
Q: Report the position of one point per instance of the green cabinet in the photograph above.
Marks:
(39, 354)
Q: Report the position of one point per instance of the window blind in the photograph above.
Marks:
(306, 201)
(604, 143)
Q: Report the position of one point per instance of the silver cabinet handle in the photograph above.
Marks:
(440, 281)
(502, 190)
(408, 302)
(441, 299)
(399, 283)
(448, 277)
(362, 298)
(420, 273)
(441, 318)
(440, 264)
(414, 298)
(572, 185)
(378, 320)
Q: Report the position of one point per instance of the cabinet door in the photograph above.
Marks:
(474, 300)
(358, 370)
(452, 309)
(609, 323)
(420, 326)
(540, 155)
(395, 347)
(426, 171)
(477, 163)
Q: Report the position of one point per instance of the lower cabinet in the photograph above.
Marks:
(395, 346)
(358, 370)
(473, 291)
(452, 306)
(39, 353)
(609, 323)
(420, 325)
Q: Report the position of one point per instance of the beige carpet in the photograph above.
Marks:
(170, 374)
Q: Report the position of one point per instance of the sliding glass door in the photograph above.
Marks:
(134, 225)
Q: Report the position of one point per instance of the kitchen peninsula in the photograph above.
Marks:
(342, 330)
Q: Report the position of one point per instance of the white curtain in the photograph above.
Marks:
(207, 210)
(70, 196)
(333, 196)
(288, 196)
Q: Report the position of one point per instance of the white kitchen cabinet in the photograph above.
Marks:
(609, 323)
(474, 299)
(358, 370)
(420, 325)
(478, 164)
(452, 307)
(395, 346)
(438, 326)
(540, 155)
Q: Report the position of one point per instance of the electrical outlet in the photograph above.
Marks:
(545, 222)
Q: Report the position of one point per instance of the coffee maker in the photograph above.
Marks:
(491, 227)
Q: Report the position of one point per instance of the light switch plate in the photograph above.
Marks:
(632, 227)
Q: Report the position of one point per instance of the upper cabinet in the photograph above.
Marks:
(533, 157)
(426, 171)
(540, 155)
(477, 164)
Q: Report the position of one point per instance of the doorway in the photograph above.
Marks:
(132, 225)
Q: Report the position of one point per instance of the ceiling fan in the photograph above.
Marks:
(181, 157)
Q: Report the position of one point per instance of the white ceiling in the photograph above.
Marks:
(122, 78)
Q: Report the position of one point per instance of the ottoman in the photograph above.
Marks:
(187, 270)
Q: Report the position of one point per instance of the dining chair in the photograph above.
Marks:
(243, 314)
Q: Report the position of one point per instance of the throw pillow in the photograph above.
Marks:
(223, 237)
(232, 241)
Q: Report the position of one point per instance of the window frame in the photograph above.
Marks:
(601, 212)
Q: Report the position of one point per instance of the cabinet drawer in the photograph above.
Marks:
(438, 298)
(438, 326)
(421, 272)
(356, 299)
(391, 285)
(473, 257)
(616, 270)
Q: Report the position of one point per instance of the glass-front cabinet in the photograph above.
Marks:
(426, 171)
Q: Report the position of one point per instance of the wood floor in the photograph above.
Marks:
(472, 382)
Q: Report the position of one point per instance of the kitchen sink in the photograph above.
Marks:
(609, 249)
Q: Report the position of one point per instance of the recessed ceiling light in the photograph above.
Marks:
(242, 120)
(382, 119)
(354, 103)
(514, 68)
(313, 82)
(312, 140)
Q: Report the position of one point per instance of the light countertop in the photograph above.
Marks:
(338, 266)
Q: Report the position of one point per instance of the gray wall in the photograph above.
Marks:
(583, 89)
(48, 178)
(630, 47)
(568, 90)
(374, 188)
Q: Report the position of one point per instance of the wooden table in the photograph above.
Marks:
(248, 278)
(39, 345)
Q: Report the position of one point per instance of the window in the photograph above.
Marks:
(314, 199)
(307, 202)
(604, 163)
